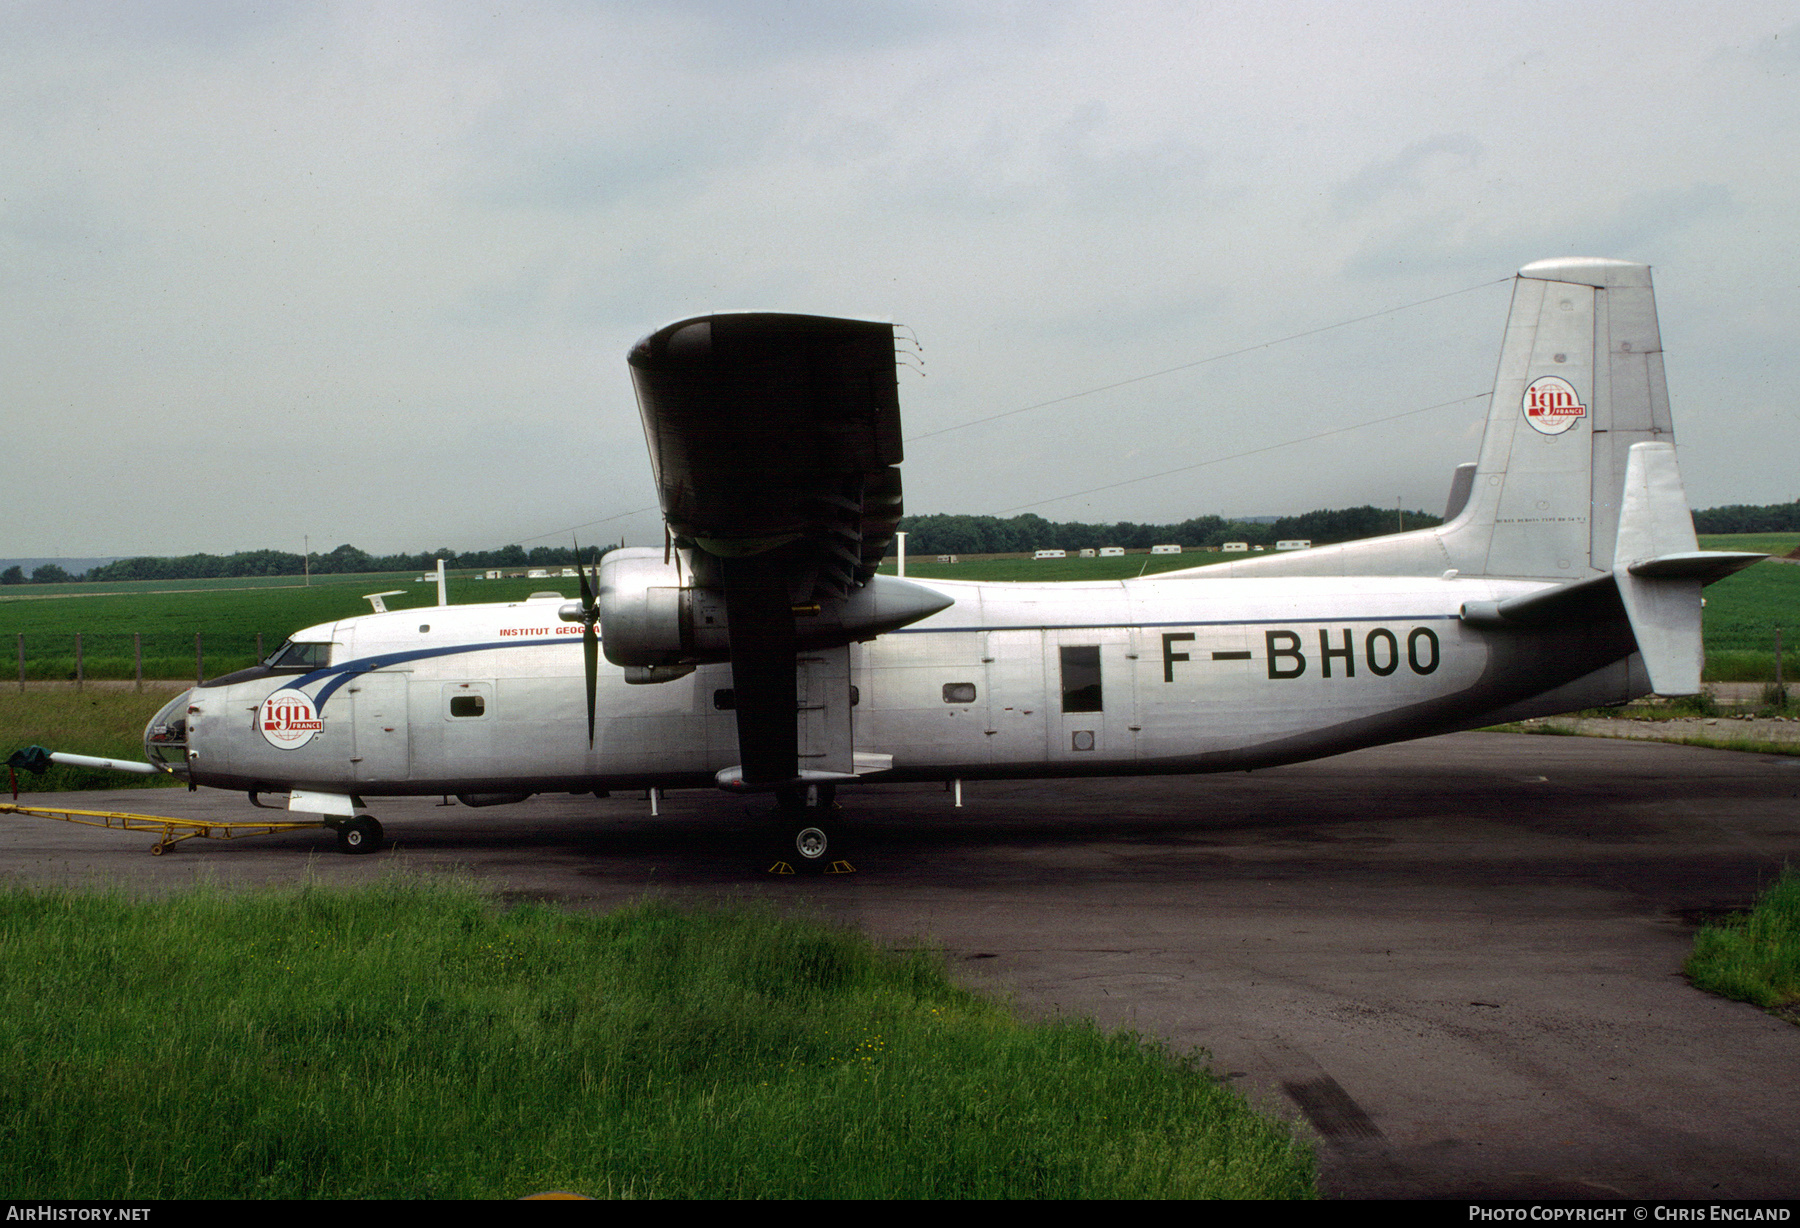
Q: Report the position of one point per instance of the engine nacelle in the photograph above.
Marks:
(651, 613)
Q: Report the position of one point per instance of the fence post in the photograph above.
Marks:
(21, 661)
(1778, 659)
(78, 660)
(199, 662)
(259, 651)
(137, 652)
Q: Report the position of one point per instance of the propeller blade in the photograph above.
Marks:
(590, 642)
(587, 593)
(590, 651)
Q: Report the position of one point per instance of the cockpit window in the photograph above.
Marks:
(293, 655)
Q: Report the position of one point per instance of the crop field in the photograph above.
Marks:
(1764, 543)
(214, 584)
(228, 617)
(1054, 570)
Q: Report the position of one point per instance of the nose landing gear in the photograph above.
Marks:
(361, 834)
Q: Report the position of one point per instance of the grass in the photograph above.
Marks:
(108, 723)
(1762, 543)
(1755, 957)
(410, 1040)
(228, 619)
(1742, 611)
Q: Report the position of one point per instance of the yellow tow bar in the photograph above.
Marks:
(170, 831)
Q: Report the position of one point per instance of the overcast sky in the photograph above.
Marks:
(368, 272)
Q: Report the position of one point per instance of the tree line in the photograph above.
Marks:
(1742, 518)
(1019, 534)
(937, 534)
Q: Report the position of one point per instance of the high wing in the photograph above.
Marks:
(775, 444)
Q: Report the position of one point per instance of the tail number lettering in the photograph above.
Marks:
(1381, 653)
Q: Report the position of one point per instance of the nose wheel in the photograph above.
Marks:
(361, 834)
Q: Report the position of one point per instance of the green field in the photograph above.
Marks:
(1761, 543)
(1055, 570)
(107, 722)
(411, 1040)
(168, 614)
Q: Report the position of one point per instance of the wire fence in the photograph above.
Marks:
(134, 657)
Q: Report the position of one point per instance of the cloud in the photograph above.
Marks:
(1640, 226)
(1405, 173)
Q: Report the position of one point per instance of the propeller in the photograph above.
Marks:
(590, 642)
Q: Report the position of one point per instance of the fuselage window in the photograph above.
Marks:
(959, 692)
(467, 705)
(1081, 678)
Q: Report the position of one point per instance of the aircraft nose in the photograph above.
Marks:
(166, 736)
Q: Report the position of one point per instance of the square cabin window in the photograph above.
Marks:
(959, 692)
(467, 705)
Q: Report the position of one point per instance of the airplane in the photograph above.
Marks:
(758, 650)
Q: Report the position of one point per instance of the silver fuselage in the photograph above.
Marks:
(1177, 673)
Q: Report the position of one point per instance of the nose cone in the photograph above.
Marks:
(166, 736)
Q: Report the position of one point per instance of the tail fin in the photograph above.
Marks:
(1578, 479)
(1580, 382)
(1577, 482)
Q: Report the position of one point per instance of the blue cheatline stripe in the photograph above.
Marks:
(350, 669)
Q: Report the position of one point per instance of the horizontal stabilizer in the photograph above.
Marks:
(1589, 600)
(1705, 566)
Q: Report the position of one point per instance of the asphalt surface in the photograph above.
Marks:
(1458, 960)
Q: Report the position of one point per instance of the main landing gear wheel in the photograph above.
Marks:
(811, 839)
(812, 845)
(359, 835)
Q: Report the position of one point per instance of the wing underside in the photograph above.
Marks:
(775, 445)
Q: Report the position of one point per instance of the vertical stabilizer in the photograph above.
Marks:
(1580, 381)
